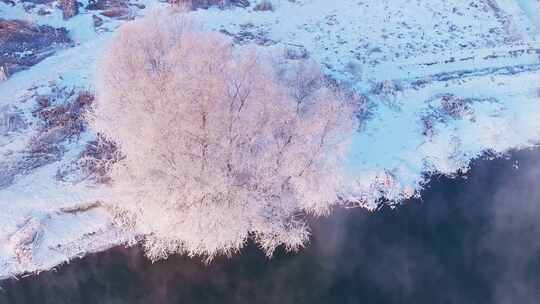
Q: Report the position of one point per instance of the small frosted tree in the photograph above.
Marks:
(217, 149)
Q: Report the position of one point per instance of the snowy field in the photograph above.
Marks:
(446, 81)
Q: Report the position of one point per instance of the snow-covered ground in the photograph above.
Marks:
(446, 81)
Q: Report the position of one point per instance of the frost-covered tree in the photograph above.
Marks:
(217, 149)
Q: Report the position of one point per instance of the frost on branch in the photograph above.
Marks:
(217, 148)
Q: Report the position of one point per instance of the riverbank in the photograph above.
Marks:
(470, 239)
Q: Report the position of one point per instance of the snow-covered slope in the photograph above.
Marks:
(446, 80)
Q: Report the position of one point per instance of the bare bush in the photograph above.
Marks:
(67, 117)
(94, 162)
(217, 149)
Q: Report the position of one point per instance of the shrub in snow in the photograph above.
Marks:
(456, 107)
(93, 163)
(69, 8)
(264, 5)
(67, 117)
(216, 148)
(386, 87)
(195, 4)
(106, 4)
(60, 121)
(11, 120)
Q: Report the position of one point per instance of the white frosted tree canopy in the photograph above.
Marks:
(217, 147)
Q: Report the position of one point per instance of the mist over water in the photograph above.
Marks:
(468, 240)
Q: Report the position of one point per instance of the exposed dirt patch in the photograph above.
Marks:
(23, 44)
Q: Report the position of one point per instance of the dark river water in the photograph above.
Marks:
(468, 240)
